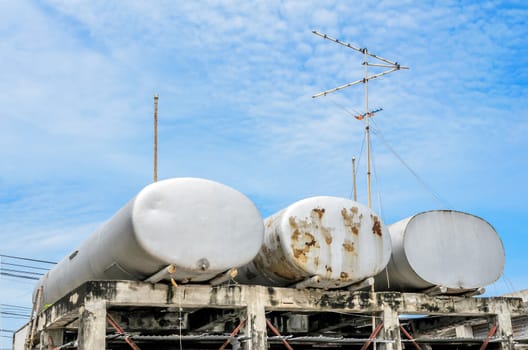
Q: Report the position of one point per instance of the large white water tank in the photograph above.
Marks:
(442, 248)
(201, 227)
(325, 242)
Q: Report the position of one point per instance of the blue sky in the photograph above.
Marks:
(235, 80)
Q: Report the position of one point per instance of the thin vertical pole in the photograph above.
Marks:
(156, 97)
(354, 177)
(367, 128)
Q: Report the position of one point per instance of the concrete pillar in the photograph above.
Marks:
(391, 328)
(256, 321)
(51, 336)
(505, 329)
(92, 326)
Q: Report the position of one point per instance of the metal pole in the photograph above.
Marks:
(367, 128)
(354, 177)
(276, 332)
(372, 336)
(156, 97)
(491, 333)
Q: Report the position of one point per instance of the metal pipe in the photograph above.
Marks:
(372, 336)
(491, 333)
(156, 97)
(354, 177)
(367, 128)
(409, 336)
(276, 332)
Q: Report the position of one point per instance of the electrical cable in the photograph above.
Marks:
(27, 266)
(14, 306)
(27, 259)
(21, 271)
(436, 196)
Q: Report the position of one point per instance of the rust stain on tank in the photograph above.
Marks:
(319, 211)
(302, 242)
(277, 263)
(349, 246)
(350, 221)
(313, 225)
(328, 268)
(343, 275)
(296, 235)
(300, 255)
(312, 243)
(376, 226)
(317, 215)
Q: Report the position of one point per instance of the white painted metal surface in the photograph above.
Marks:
(201, 227)
(325, 242)
(442, 248)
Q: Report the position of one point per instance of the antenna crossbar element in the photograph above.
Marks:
(350, 46)
(338, 41)
(324, 93)
(364, 80)
(385, 65)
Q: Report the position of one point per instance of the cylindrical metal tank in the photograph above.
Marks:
(322, 242)
(442, 248)
(201, 227)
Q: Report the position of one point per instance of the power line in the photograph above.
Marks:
(18, 276)
(27, 266)
(12, 269)
(14, 306)
(22, 271)
(13, 314)
(418, 178)
(27, 259)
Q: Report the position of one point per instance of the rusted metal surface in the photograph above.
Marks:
(372, 336)
(325, 242)
(200, 227)
(276, 332)
(491, 333)
(443, 249)
(409, 336)
(233, 333)
(121, 331)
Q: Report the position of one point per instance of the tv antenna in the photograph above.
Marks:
(392, 67)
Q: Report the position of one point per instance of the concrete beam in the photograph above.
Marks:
(88, 304)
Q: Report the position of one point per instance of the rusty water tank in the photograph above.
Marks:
(203, 228)
(449, 249)
(325, 242)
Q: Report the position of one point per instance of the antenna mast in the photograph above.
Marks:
(354, 177)
(392, 67)
(156, 97)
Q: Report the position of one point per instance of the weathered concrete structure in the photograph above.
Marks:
(161, 316)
